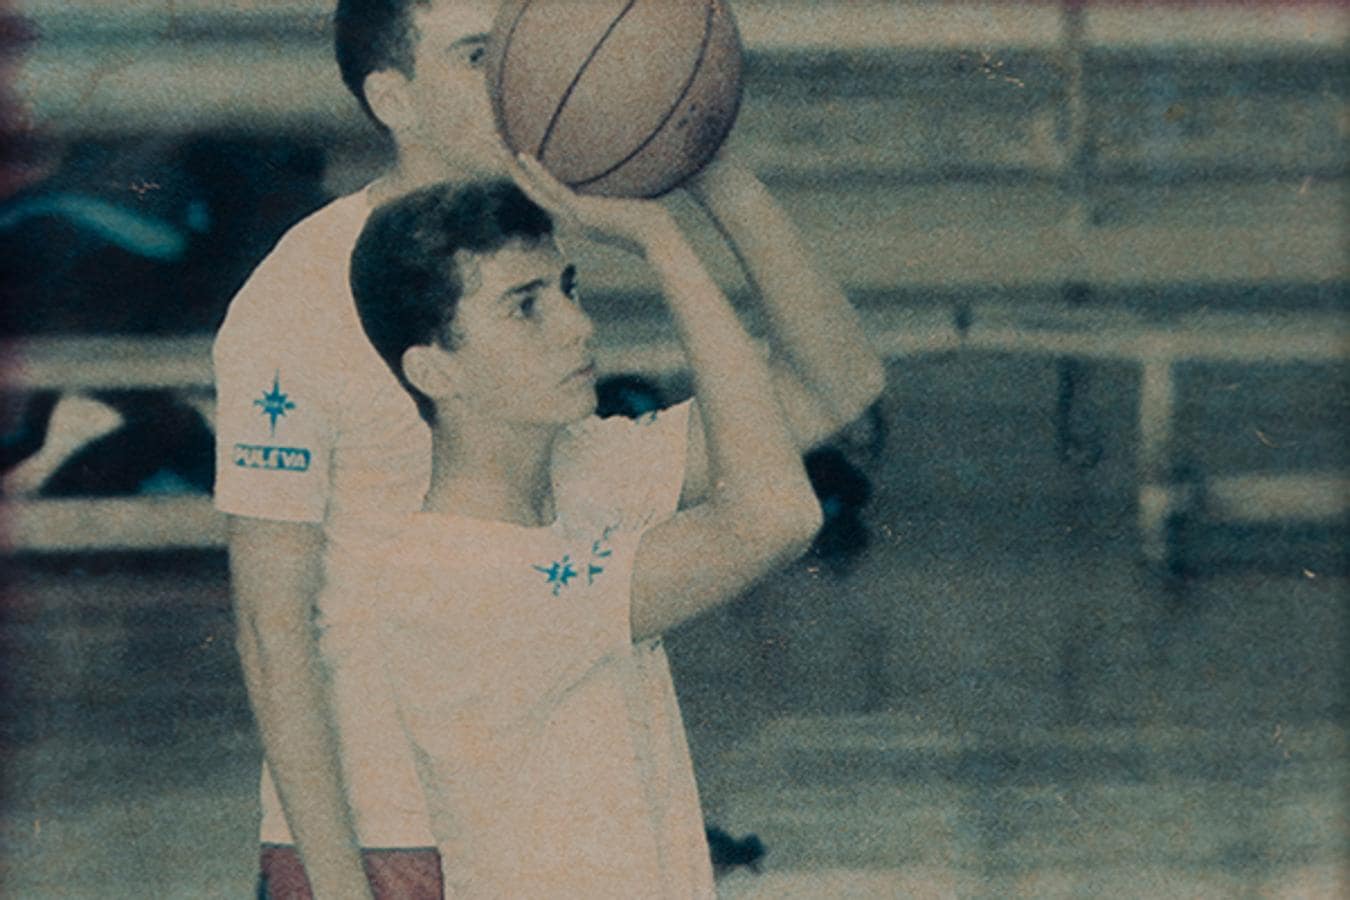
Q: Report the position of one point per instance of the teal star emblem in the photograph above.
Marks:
(558, 574)
(274, 403)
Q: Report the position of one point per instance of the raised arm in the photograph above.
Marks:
(825, 371)
(275, 573)
(760, 510)
(816, 337)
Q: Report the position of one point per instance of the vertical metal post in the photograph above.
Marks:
(1078, 163)
(1157, 493)
(1075, 180)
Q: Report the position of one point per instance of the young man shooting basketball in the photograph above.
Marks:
(554, 764)
(312, 427)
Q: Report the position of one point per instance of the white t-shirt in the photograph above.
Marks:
(310, 423)
(549, 749)
(313, 427)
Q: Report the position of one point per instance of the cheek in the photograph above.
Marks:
(467, 94)
(452, 103)
(513, 374)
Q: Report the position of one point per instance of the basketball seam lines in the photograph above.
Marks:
(576, 79)
(693, 74)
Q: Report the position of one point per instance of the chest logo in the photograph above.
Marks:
(562, 572)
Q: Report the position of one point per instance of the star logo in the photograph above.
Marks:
(274, 403)
(559, 573)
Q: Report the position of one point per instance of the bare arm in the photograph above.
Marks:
(817, 339)
(275, 572)
(760, 510)
(825, 372)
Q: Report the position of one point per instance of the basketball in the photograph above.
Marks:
(621, 98)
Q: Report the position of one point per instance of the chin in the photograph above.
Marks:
(585, 408)
(562, 415)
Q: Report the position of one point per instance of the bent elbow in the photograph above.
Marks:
(872, 384)
(867, 389)
(775, 521)
(806, 524)
(795, 523)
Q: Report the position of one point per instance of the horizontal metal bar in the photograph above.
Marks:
(69, 525)
(851, 24)
(82, 363)
(123, 523)
(1287, 497)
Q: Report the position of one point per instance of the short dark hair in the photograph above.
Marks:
(370, 36)
(403, 274)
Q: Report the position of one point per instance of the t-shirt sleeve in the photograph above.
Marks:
(274, 430)
(636, 467)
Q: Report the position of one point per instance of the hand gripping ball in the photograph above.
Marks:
(623, 98)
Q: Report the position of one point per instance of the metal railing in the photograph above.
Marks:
(290, 87)
(1155, 348)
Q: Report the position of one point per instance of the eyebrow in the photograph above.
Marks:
(479, 38)
(528, 287)
(568, 276)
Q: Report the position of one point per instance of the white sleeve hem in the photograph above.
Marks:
(251, 509)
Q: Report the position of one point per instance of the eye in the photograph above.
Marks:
(475, 55)
(526, 308)
(471, 52)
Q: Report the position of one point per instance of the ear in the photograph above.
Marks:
(430, 370)
(387, 93)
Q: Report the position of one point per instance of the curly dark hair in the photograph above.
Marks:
(403, 274)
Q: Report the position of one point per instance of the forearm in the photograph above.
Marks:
(275, 572)
(290, 705)
(812, 326)
(750, 452)
(759, 510)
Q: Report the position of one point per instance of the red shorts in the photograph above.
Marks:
(398, 874)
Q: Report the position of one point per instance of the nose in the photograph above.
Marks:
(579, 327)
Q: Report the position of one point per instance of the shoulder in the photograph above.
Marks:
(602, 436)
(302, 283)
(373, 562)
(319, 245)
(634, 467)
(296, 306)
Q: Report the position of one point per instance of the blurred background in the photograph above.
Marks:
(1076, 624)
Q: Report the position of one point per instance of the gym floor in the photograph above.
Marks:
(1198, 752)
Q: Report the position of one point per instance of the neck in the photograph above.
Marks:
(492, 470)
(419, 166)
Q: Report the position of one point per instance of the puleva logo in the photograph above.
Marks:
(280, 459)
(274, 403)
